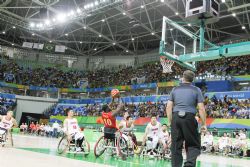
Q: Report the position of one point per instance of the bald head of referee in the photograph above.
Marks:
(181, 111)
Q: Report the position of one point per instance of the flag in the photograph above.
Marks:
(83, 83)
(133, 81)
(141, 80)
(27, 45)
(38, 46)
(49, 47)
(60, 48)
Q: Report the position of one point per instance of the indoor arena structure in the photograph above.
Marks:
(95, 83)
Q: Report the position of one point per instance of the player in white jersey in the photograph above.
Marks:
(207, 142)
(127, 127)
(6, 123)
(243, 141)
(72, 129)
(222, 143)
(165, 138)
(152, 134)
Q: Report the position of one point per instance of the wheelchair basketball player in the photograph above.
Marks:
(6, 123)
(151, 138)
(72, 130)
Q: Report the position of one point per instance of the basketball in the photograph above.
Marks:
(115, 93)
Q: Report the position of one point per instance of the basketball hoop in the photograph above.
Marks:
(166, 64)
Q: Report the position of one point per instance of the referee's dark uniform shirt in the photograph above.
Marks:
(184, 125)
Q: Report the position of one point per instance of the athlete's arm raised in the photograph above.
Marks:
(117, 110)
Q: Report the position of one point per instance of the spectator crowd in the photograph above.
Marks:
(53, 77)
(226, 108)
(6, 104)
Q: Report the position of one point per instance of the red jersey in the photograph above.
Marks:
(109, 120)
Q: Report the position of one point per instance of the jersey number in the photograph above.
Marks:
(107, 122)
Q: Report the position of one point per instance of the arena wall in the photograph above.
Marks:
(29, 104)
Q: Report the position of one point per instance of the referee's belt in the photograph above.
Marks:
(182, 114)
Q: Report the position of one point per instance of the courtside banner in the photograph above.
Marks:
(233, 94)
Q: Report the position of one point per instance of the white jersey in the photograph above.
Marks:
(242, 136)
(208, 139)
(72, 126)
(6, 124)
(165, 136)
(125, 129)
(223, 142)
(154, 130)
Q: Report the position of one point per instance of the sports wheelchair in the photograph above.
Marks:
(70, 147)
(159, 152)
(114, 144)
(5, 136)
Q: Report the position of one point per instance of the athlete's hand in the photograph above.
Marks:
(69, 138)
(203, 128)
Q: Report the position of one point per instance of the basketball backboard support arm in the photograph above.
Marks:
(215, 52)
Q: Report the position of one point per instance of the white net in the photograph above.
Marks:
(166, 64)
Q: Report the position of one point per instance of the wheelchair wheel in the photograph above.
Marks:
(63, 145)
(100, 147)
(122, 145)
(86, 147)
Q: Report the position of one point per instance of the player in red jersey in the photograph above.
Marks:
(109, 120)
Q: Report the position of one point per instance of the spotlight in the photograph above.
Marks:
(91, 5)
(66, 34)
(233, 14)
(127, 51)
(189, 24)
(32, 24)
(12, 44)
(39, 25)
(176, 13)
(124, 13)
(171, 29)
(114, 43)
(243, 27)
(152, 33)
(61, 18)
(100, 35)
(132, 39)
(84, 27)
(95, 49)
(33, 34)
(3, 32)
(47, 22)
(96, 3)
(142, 6)
(103, 20)
(72, 13)
(50, 41)
(80, 42)
(78, 10)
(13, 27)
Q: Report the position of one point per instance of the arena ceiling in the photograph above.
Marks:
(88, 27)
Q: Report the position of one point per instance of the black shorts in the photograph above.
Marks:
(109, 133)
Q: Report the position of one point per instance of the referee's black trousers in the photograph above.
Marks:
(185, 129)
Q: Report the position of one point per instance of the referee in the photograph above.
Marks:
(181, 111)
